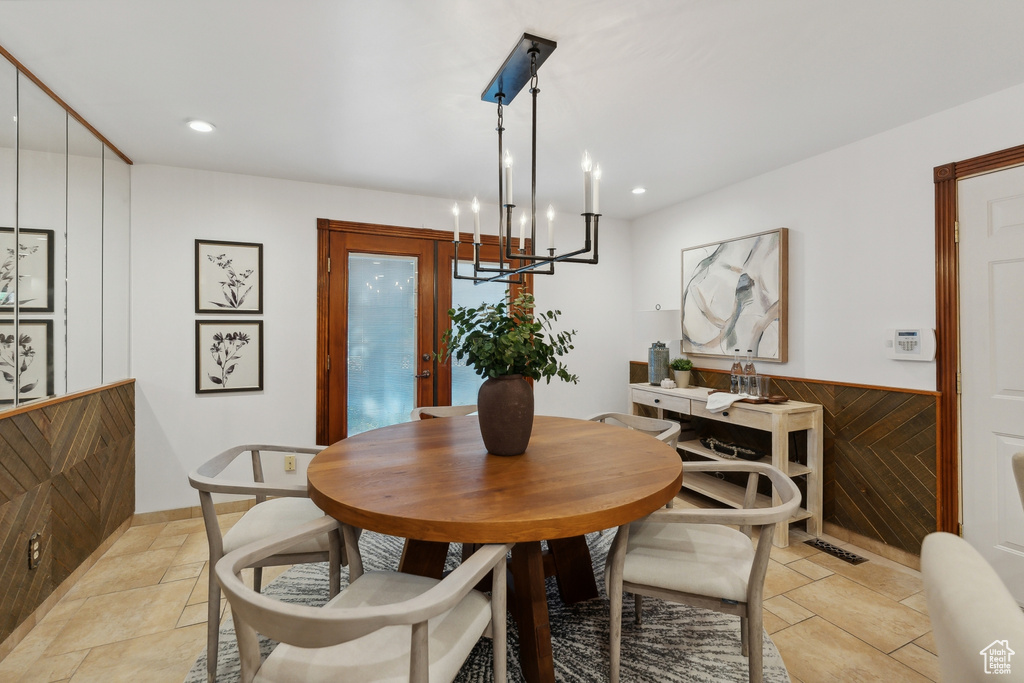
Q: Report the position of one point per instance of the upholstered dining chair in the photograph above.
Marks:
(663, 430)
(696, 557)
(384, 626)
(441, 411)
(278, 507)
(973, 614)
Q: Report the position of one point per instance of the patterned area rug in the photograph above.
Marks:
(675, 642)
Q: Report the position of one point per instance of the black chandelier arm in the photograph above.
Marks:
(480, 280)
(568, 256)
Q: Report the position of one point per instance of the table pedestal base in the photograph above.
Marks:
(570, 563)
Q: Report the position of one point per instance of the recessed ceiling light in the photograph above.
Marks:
(201, 126)
(639, 190)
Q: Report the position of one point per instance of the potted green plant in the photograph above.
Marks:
(681, 371)
(506, 343)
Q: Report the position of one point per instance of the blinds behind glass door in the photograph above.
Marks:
(382, 349)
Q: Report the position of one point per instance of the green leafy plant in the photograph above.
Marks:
(681, 364)
(508, 339)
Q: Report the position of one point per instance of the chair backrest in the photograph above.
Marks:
(441, 411)
(1017, 461)
(974, 618)
(314, 627)
(663, 430)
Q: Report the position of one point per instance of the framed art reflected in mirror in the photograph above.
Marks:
(735, 297)
(27, 279)
(30, 349)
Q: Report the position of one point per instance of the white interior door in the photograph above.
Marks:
(991, 209)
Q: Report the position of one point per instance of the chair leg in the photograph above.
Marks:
(755, 629)
(744, 640)
(335, 558)
(212, 626)
(257, 578)
(638, 609)
(615, 628)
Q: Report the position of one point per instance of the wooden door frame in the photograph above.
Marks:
(947, 324)
(325, 227)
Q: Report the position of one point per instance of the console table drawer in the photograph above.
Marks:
(676, 404)
(734, 414)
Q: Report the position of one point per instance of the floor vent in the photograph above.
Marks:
(836, 551)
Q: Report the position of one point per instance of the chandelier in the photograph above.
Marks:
(520, 68)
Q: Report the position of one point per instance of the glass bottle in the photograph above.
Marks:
(749, 375)
(736, 374)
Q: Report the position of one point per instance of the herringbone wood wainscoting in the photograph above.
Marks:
(879, 450)
(67, 471)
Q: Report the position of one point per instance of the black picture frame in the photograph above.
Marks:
(34, 288)
(229, 356)
(229, 277)
(36, 379)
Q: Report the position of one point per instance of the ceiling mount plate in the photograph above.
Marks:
(515, 72)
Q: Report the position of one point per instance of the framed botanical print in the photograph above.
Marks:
(735, 297)
(229, 277)
(229, 355)
(32, 354)
(34, 287)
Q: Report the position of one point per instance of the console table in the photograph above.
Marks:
(779, 419)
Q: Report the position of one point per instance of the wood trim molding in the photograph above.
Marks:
(947, 323)
(71, 112)
(48, 402)
(323, 251)
(903, 390)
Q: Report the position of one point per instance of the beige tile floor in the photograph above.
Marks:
(139, 615)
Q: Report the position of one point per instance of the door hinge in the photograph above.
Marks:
(959, 384)
(328, 264)
(956, 233)
(959, 529)
(328, 363)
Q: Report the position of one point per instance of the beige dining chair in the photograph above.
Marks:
(277, 507)
(441, 411)
(384, 626)
(973, 615)
(696, 557)
(663, 430)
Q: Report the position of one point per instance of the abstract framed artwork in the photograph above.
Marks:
(34, 287)
(229, 277)
(735, 297)
(229, 355)
(32, 354)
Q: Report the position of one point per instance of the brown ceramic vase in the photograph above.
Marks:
(505, 408)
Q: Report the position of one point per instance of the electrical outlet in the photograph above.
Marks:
(289, 463)
(35, 550)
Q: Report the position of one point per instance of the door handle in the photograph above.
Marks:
(423, 375)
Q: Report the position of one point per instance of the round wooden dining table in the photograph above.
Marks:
(433, 482)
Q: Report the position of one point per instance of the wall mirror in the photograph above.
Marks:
(64, 249)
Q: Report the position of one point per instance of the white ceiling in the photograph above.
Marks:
(680, 96)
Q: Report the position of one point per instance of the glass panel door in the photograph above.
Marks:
(465, 382)
(382, 340)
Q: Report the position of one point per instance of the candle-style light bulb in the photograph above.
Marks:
(597, 182)
(508, 177)
(588, 184)
(551, 227)
(455, 216)
(476, 220)
(522, 231)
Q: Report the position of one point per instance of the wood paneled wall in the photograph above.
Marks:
(880, 454)
(67, 471)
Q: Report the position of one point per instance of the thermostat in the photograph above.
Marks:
(910, 344)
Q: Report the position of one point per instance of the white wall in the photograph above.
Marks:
(862, 240)
(171, 207)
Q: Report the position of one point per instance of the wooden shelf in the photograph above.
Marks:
(794, 469)
(730, 494)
